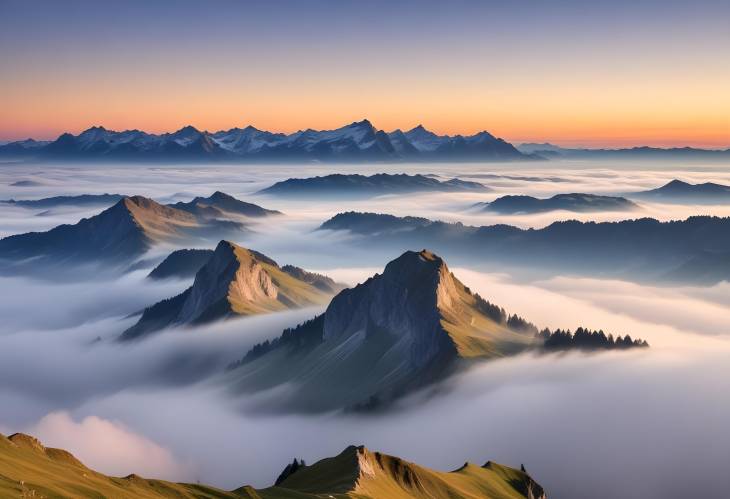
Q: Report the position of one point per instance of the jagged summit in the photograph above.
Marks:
(233, 281)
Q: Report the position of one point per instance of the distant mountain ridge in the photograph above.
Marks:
(128, 229)
(338, 184)
(358, 141)
(547, 150)
(641, 249)
(678, 191)
(577, 202)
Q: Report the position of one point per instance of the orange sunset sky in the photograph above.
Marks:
(600, 76)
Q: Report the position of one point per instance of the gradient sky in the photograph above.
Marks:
(570, 72)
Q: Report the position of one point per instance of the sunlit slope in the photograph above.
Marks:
(234, 281)
(28, 469)
(397, 331)
(121, 232)
(359, 472)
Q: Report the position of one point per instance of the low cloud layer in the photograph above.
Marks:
(639, 424)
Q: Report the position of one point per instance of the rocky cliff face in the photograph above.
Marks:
(232, 275)
(406, 300)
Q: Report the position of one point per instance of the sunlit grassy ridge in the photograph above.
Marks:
(28, 469)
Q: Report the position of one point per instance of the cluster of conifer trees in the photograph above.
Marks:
(585, 339)
(499, 315)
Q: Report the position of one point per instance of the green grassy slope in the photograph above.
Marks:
(28, 469)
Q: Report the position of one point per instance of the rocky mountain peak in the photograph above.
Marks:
(404, 301)
(233, 275)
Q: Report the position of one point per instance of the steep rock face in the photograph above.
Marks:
(232, 277)
(405, 300)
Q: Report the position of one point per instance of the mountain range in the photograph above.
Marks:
(339, 185)
(128, 229)
(358, 141)
(235, 281)
(642, 249)
(547, 150)
(577, 202)
(29, 469)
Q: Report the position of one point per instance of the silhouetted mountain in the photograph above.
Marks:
(117, 235)
(358, 141)
(57, 201)
(29, 469)
(220, 204)
(641, 249)
(577, 202)
(234, 281)
(396, 331)
(373, 185)
(181, 264)
(677, 191)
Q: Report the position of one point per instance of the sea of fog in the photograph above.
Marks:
(639, 424)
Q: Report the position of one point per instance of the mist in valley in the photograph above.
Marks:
(635, 424)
